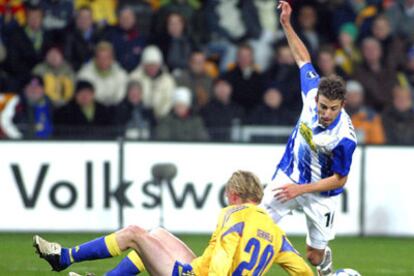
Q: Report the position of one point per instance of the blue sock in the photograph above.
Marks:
(125, 267)
(64, 257)
(100, 248)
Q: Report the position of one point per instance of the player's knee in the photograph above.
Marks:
(132, 231)
(158, 231)
(314, 257)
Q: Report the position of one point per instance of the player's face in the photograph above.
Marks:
(328, 110)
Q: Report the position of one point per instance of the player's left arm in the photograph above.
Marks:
(341, 164)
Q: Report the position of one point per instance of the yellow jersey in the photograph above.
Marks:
(247, 242)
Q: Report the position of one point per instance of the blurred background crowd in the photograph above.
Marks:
(192, 70)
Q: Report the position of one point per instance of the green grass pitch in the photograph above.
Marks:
(370, 256)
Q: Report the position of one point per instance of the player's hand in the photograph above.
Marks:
(287, 192)
(286, 12)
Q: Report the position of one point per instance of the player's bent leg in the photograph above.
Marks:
(49, 251)
(322, 259)
(314, 256)
(126, 236)
(158, 259)
(319, 211)
(130, 265)
(181, 251)
(319, 254)
(60, 258)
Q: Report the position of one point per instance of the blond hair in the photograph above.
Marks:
(104, 46)
(246, 185)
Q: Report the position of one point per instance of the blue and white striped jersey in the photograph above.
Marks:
(314, 152)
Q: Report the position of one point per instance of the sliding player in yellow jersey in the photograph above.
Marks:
(245, 242)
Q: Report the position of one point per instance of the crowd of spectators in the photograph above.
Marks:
(190, 70)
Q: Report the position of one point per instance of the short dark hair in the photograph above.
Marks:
(332, 87)
(84, 8)
(32, 6)
(328, 49)
(244, 45)
(84, 85)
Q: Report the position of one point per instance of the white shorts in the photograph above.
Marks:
(319, 211)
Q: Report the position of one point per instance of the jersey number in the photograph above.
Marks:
(253, 247)
(329, 219)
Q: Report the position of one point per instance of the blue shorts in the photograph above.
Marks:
(182, 269)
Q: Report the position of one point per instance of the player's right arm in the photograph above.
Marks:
(290, 260)
(299, 51)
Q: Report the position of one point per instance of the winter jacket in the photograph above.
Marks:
(110, 87)
(157, 92)
(58, 82)
(173, 128)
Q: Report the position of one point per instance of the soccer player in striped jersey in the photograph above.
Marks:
(318, 155)
(245, 242)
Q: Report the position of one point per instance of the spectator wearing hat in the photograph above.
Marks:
(367, 122)
(157, 83)
(399, 118)
(133, 119)
(220, 114)
(181, 124)
(28, 115)
(106, 75)
(57, 75)
(347, 55)
(25, 47)
(272, 112)
(83, 116)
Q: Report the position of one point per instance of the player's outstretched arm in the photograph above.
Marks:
(299, 51)
(293, 264)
